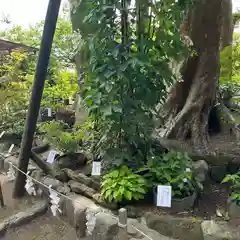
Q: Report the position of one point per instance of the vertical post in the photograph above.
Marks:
(1, 196)
(122, 223)
(37, 90)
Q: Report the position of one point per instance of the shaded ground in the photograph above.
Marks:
(46, 227)
(43, 228)
(225, 142)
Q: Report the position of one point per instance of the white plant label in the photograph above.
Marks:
(11, 148)
(51, 157)
(164, 196)
(71, 101)
(96, 169)
(2, 134)
(49, 112)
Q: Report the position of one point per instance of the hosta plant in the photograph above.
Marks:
(122, 184)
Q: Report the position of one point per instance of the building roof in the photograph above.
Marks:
(9, 46)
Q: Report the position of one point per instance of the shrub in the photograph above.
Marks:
(57, 134)
(172, 168)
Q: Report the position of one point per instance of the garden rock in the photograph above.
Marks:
(37, 174)
(179, 228)
(61, 175)
(132, 212)
(200, 170)
(219, 231)
(76, 211)
(80, 177)
(218, 173)
(233, 210)
(73, 161)
(131, 230)
(151, 234)
(64, 189)
(184, 204)
(51, 181)
(233, 167)
(106, 225)
(80, 188)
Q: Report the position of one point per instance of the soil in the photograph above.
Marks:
(12, 206)
(46, 227)
(225, 142)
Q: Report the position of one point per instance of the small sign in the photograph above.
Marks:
(96, 169)
(2, 134)
(71, 102)
(49, 113)
(51, 156)
(11, 148)
(164, 196)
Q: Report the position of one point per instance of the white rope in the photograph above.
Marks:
(64, 196)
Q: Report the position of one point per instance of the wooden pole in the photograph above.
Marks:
(37, 90)
(1, 196)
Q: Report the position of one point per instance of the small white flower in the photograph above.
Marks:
(188, 170)
(185, 180)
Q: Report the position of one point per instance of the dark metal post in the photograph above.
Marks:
(37, 90)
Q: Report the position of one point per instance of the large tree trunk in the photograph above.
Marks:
(227, 24)
(190, 101)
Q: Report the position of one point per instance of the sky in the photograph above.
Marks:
(26, 12)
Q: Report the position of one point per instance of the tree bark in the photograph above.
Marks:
(227, 24)
(189, 103)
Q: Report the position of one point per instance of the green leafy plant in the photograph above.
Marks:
(230, 71)
(14, 91)
(172, 168)
(128, 74)
(62, 85)
(59, 135)
(122, 184)
(234, 180)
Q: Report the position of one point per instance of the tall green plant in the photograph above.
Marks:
(128, 72)
(230, 69)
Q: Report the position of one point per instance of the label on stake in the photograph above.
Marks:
(49, 112)
(2, 134)
(164, 196)
(96, 168)
(51, 157)
(11, 148)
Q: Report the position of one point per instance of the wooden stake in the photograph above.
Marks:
(37, 90)
(1, 196)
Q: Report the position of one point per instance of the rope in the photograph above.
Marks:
(64, 196)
